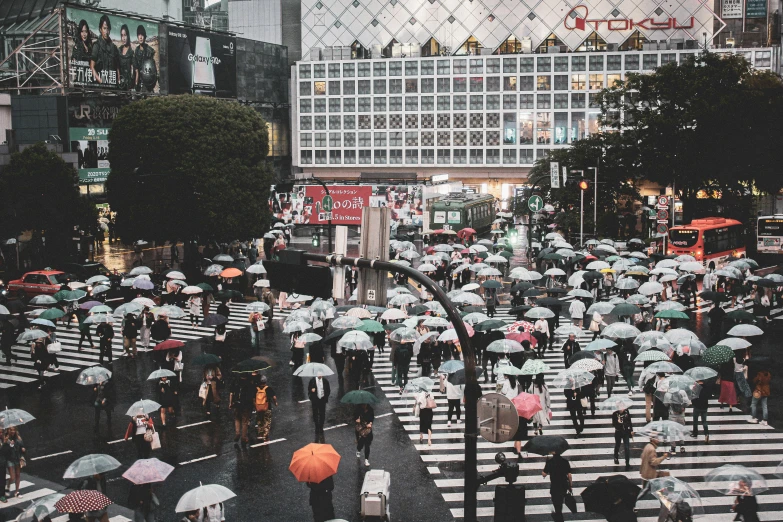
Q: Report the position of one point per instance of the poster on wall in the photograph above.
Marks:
(405, 202)
(106, 51)
(89, 121)
(756, 9)
(201, 62)
(731, 9)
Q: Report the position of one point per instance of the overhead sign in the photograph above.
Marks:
(565, 175)
(328, 203)
(371, 295)
(731, 9)
(535, 203)
(346, 203)
(89, 121)
(554, 172)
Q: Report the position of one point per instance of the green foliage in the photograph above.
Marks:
(189, 167)
(711, 123)
(40, 193)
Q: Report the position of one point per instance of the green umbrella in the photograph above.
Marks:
(505, 253)
(717, 355)
(740, 315)
(205, 287)
(69, 295)
(534, 367)
(51, 314)
(206, 358)
(482, 255)
(359, 397)
(251, 365)
(624, 309)
(370, 326)
(491, 324)
(672, 314)
(551, 256)
(491, 283)
(511, 370)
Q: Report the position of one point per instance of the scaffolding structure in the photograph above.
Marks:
(37, 64)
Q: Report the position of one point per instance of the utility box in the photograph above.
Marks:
(375, 495)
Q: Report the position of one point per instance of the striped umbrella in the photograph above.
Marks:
(81, 501)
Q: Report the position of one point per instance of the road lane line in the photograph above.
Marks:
(52, 455)
(198, 459)
(383, 415)
(336, 426)
(194, 424)
(267, 443)
(302, 402)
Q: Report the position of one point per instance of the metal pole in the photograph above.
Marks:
(471, 383)
(329, 231)
(595, 204)
(581, 217)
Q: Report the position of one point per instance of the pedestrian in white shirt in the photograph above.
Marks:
(611, 370)
(577, 311)
(454, 395)
(213, 513)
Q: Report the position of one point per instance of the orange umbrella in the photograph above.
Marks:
(314, 463)
(231, 272)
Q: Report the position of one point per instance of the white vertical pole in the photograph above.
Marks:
(341, 249)
(581, 217)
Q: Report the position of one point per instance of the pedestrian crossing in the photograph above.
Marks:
(732, 440)
(73, 360)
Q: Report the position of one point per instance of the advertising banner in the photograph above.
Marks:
(405, 202)
(106, 51)
(202, 63)
(731, 9)
(89, 121)
(756, 9)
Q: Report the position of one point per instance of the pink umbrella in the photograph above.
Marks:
(146, 471)
(469, 328)
(527, 405)
(519, 326)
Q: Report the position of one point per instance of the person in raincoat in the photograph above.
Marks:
(543, 417)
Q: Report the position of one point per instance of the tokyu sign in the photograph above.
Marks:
(578, 19)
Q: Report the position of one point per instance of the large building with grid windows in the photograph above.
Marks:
(482, 114)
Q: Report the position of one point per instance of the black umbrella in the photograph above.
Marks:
(766, 283)
(214, 320)
(546, 444)
(392, 326)
(335, 335)
(713, 296)
(589, 276)
(583, 354)
(606, 493)
(251, 365)
(417, 310)
(519, 309)
(224, 295)
(521, 287)
(532, 292)
(635, 240)
(549, 301)
(556, 290)
(458, 377)
(15, 306)
(545, 251)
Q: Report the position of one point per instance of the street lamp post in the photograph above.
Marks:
(581, 218)
(595, 201)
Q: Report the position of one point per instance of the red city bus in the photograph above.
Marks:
(714, 241)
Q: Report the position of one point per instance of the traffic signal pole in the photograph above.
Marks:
(472, 389)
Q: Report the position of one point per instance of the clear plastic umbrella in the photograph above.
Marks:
(650, 288)
(600, 307)
(539, 312)
(616, 403)
(568, 329)
(451, 366)
(587, 365)
(572, 379)
(671, 490)
(439, 322)
(419, 384)
(745, 330)
(160, 373)
(599, 344)
(620, 331)
(670, 305)
(679, 335)
(310, 337)
(148, 471)
(313, 370)
(663, 367)
(403, 299)
(31, 335)
(142, 407)
(42, 508)
(490, 272)
(346, 321)
(402, 335)
(701, 373)
(14, 417)
(735, 343)
(734, 479)
(258, 306)
(393, 314)
(90, 465)
(663, 430)
(296, 326)
(505, 346)
(534, 367)
(651, 355)
(203, 496)
(448, 335)
(93, 375)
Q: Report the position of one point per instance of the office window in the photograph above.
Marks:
(592, 100)
(460, 66)
(334, 88)
(334, 70)
(632, 62)
(427, 68)
(305, 88)
(578, 82)
(364, 70)
(395, 68)
(493, 156)
(578, 129)
(544, 128)
(320, 139)
(444, 84)
(460, 103)
(365, 139)
(561, 128)
(319, 70)
(476, 102)
(525, 101)
(395, 157)
(335, 157)
(427, 85)
(411, 139)
(493, 65)
(411, 85)
(365, 156)
(577, 100)
(763, 59)
(544, 101)
(509, 156)
(395, 86)
(334, 122)
(380, 139)
(612, 78)
(444, 103)
(320, 123)
(411, 68)
(304, 105)
(365, 86)
(395, 139)
(379, 86)
(597, 63)
(596, 82)
(349, 122)
(509, 65)
(509, 128)
(460, 84)
(320, 88)
(476, 66)
(428, 156)
(593, 123)
(526, 156)
(379, 69)
(306, 139)
(561, 101)
(444, 156)
(561, 82)
(348, 70)
(364, 104)
(476, 156)
(509, 83)
(614, 62)
(349, 105)
(543, 83)
(544, 64)
(349, 139)
(476, 84)
(334, 104)
(509, 101)
(561, 63)
(526, 64)
(379, 104)
(304, 71)
(493, 102)
(525, 128)
(649, 61)
(527, 83)
(380, 157)
(460, 156)
(306, 157)
(427, 103)
(668, 58)
(411, 103)
(349, 87)
(493, 84)
(578, 63)
(305, 122)
(411, 156)
(349, 157)
(444, 67)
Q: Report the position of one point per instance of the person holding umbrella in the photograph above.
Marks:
(194, 306)
(560, 482)
(167, 397)
(143, 501)
(623, 430)
(543, 417)
(570, 347)
(318, 392)
(130, 331)
(146, 320)
(211, 394)
(745, 505)
(137, 429)
(103, 398)
(241, 399)
(648, 468)
(611, 370)
(84, 328)
(256, 321)
(315, 464)
(365, 416)
(574, 405)
(14, 450)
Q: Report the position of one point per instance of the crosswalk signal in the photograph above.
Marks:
(584, 184)
(316, 239)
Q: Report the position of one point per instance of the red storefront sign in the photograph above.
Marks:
(347, 204)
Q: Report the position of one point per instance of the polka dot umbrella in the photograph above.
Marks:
(81, 501)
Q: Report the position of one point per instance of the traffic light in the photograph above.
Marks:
(584, 184)
(316, 239)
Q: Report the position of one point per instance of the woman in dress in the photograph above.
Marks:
(541, 418)
(127, 74)
(728, 394)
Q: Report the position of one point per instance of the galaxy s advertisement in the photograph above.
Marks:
(202, 62)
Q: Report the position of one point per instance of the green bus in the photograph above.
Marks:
(458, 210)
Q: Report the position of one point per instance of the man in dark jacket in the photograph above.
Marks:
(318, 391)
(242, 397)
(700, 404)
(623, 430)
(103, 399)
(105, 332)
(570, 347)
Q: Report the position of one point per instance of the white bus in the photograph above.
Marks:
(769, 234)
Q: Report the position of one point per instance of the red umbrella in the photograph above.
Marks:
(466, 232)
(527, 405)
(171, 344)
(590, 257)
(439, 231)
(522, 336)
(81, 501)
(521, 325)
(464, 251)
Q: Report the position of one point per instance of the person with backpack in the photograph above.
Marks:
(265, 395)
(423, 409)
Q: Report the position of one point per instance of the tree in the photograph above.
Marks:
(709, 124)
(616, 183)
(40, 195)
(189, 167)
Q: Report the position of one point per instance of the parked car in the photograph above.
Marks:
(37, 283)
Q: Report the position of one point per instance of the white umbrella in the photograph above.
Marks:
(361, 313)
(576, 278)
(539, 312)
(448, 335)
(496, 259)
(650, 288)
(256, 268)
(667, 263)
(175, 275)
(663, 271)
(490, 272)
(597, 265)
(735, 343)
(393, 314)
(685, 258)
(620, 331)
(203, 496)
(426, 267)
(745, 330)
(144, 301)
(587, 365)
(627, 283)
(143, 406)
(554, 272)
(470, 286)
(692, 266)
(312, 370)
(139, 270)
(666, 278)
(191, 290)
